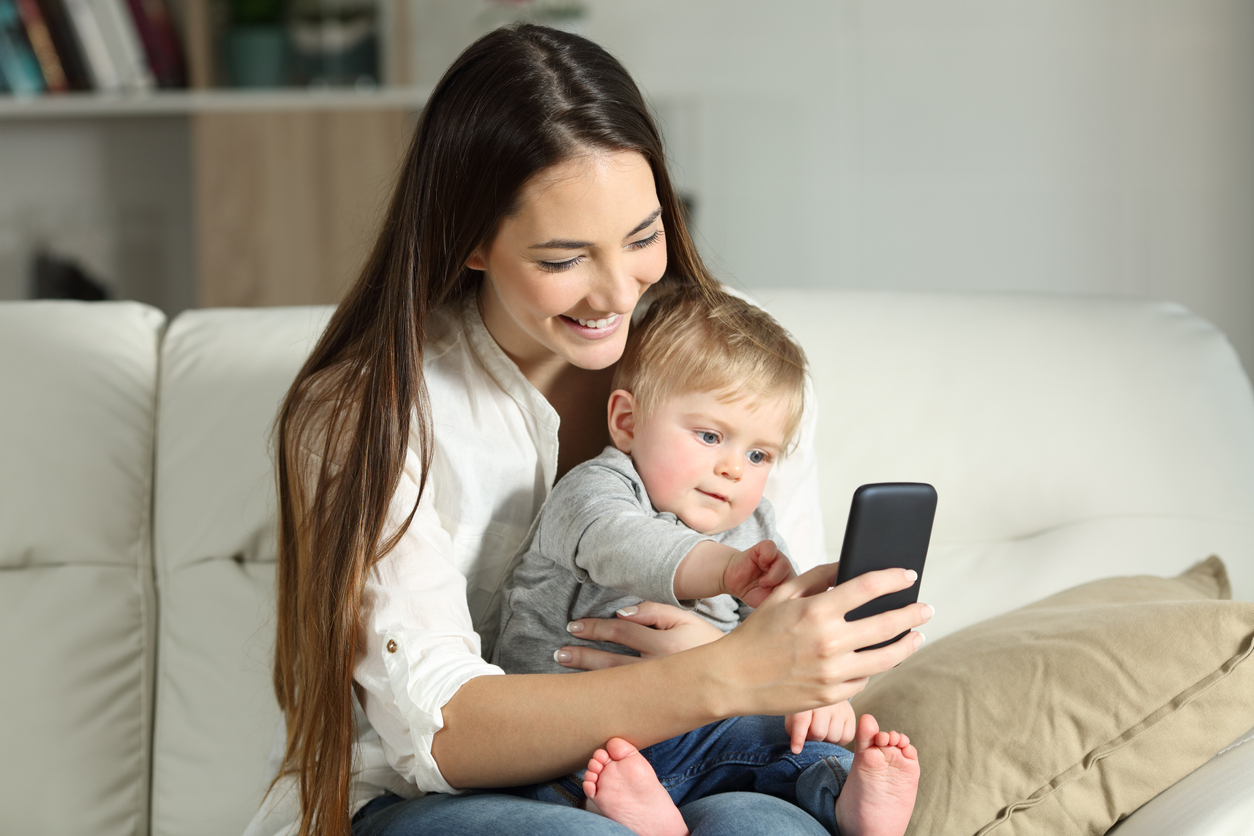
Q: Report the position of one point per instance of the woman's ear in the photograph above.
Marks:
(476, 261)
(622, 419)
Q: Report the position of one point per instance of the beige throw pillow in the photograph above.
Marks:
(1066, 715)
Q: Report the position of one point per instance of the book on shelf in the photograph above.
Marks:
(122, 40)
(18, 63)
(40, 40)
(104, 74)
(65, 41)
(161, 43)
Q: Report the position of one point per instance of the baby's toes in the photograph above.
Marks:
(599, 759)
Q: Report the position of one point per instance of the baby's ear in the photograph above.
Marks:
(622, 413)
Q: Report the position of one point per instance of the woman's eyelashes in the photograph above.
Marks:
(646, 242)
(559, 266)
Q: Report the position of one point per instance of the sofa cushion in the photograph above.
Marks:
(223, 374)
(1068, 714)
(77, 403)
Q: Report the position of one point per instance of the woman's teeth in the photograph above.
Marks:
(597, 323)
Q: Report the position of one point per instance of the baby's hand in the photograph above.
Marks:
(833, 723)
(752, 574)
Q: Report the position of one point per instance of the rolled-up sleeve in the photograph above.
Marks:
(420, 644)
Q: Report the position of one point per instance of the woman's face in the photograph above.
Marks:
(565, 271)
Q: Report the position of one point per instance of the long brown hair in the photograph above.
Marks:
(516, 102)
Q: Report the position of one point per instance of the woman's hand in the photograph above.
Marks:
(652, 629)
(796, 652)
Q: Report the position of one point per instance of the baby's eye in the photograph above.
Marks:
(708, 436)
(757, 456)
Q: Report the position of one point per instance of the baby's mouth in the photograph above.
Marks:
(717, 496)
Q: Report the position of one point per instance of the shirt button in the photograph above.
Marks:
(391, 645)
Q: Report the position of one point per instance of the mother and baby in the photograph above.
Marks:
(538, 431)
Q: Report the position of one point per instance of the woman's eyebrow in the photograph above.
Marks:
(653, 216)
(567, 244)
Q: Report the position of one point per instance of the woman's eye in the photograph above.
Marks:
(645, 242)
(757, 456)
(559, 266)
(708, 436)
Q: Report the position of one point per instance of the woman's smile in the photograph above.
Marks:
(594, 329)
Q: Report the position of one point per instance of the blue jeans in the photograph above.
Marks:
(740, 754)
(490, 814)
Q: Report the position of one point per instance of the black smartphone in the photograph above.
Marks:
(890, 525)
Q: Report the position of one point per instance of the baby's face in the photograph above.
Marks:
(706, 461)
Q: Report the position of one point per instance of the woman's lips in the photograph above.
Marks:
(594, 329)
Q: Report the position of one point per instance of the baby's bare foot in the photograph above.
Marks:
(878, 796)
(622, 786)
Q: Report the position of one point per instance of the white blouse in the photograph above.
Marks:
(431, 606)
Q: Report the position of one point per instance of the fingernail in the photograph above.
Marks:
(919, 638)
(574, 627)
(928, 612)
(912, 575)
(561, 656)
(628, 611)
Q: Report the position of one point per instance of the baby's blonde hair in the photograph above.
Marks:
(707, 340)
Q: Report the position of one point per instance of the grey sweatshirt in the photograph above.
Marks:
(599, 546)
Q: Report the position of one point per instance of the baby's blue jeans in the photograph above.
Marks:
(740, 754)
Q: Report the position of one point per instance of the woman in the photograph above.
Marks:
(466, 370)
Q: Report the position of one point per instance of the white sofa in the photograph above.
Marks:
(1069, 439)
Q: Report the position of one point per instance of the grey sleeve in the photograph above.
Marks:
(599, 527)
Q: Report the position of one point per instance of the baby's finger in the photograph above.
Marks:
(819, 579)
(819, 726)
(800, 730)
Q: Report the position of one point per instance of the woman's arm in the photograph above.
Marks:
(794, 653)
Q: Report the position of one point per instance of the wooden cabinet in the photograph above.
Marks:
(287, 204)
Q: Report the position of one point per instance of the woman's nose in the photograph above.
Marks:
(615, 290)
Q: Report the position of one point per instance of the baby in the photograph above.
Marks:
(707, 397)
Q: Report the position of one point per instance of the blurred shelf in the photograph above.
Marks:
(188, 102)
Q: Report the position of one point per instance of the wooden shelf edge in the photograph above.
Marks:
(188, 102)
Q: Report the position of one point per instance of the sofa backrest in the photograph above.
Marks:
(223, 375)
(77, 409)
(1068, 438)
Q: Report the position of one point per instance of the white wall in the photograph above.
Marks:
(1088, 146)
(113, 194)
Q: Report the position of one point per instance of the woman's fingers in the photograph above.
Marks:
(880, 628)
(819, 579)
(652, 629)
(589, 659)
(855, 592)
